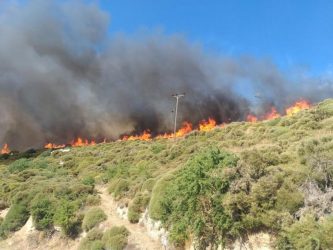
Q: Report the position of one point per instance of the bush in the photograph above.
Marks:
(148, 185)
(42, 211)
(89, 181)
(192, 204)
(157, 148)
(92, 218)
(19, 165)
(137, 206)
(289, 199)
(92, 241)
(159, 192)
(308, 233)
(3, 205)
(326, 229)
(301, 235)
(16, 217)
(115, 238)
(65, 216)
(93, 200)
(118, 187)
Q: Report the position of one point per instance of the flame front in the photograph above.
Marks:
(251, 118)
(54, 146)
(79, 142)
(5, 149)
(187, 127)
(207, 125)
(272, 114)
(298, 106)
(145, 136)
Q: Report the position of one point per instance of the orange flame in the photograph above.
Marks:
(297, 106)
(251, 118)
(185, 129)
(5, 149)
(79, 142)
(54, 146)
(207, 125)
(273, 114)
(145, 136)
(204, 125)
(164, 136)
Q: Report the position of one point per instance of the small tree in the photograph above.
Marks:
(65, 216)
(42, 213)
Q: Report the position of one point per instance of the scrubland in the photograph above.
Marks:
(210, 187)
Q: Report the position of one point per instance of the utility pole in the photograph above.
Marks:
(177, 96)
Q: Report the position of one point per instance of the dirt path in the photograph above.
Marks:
(138, 238)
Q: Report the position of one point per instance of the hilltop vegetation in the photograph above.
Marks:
(211, 187)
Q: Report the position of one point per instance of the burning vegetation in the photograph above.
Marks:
(187, 127)
(97, 86)
(5, 149)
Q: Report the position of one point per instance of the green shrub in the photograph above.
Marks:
(65, 216)
(42, 211)
(159, 192)
(93, 200)
(301, 235)
(307, 233)
(115, 238)
(89, 181)
(118, 187)
(325, 232)
(148, 185)
(16, 217)
(92, 218)
(192, 204)
(92, 241)
(19, 165)
(157, 148)
(137, 206)
(289, 199)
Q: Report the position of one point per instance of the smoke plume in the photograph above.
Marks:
(62, 75)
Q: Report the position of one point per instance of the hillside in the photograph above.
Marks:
(207, 188)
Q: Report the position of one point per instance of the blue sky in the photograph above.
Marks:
(293, 33)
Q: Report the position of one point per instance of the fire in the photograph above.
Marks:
(251, 118)
(5, 149)
(297, 106)
(207, 125)
(54, 146)
(185, 129)
(273, 114)
(79, 142)
(165, 136)
(145, 136)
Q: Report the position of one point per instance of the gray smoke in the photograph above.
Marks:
(63, 76)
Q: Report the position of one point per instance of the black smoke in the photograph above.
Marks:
(62, 75)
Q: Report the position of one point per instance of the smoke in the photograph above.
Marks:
(62, 76)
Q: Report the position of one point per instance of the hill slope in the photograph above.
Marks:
(210, 187)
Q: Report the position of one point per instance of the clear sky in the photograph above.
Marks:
(292, 33)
